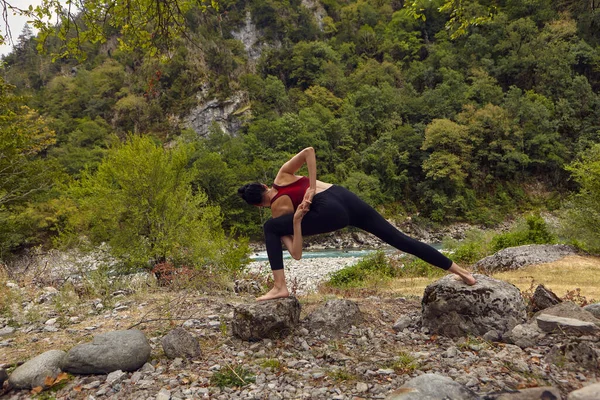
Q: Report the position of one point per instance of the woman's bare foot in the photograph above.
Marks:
(275, 293)
(463, 274)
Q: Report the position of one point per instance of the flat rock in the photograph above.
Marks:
(335, 317)
(180, 343)
(35, 371)
(265, 319)
(590, 392)
(432, 387)
(537, 393)
(452, 308)
(125, 350)
(517, 257)
(568, 309)
(551, 323)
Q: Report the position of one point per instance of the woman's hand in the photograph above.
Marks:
(301, 211)
(308, 196)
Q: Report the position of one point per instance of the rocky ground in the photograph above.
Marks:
(368, 362)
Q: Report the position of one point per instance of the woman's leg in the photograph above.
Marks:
(365, 217)
(325, 215)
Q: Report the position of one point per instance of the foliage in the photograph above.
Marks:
(231, 377)
(581, 220)
(140, 201)
(535, 231)
(368, 267)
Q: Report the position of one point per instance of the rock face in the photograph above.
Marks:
(432, 387)
(180, 343)
(266, 319)
(111, 351)
(250, 37)
(543, 298)
(224, 114)
(451, 308)
(517, 257)
(334, 317)
(35, 371)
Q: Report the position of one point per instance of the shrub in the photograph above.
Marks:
(228, 377)
(535, 232)
(374, 265)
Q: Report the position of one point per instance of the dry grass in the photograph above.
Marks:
(561, 276)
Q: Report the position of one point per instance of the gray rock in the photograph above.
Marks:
(590, 392)
(246, 286)
(334, 318)
(452, 308)
(543, 298)
(574, 351)
(568, 309)
(163, 394)
(521, 256)
(537, 393)
(116, 377)
(265, 319)
(3, 376)
(524, 335)
(7, 330)
(180, 343)
(551, 323)
(594, 309)
(111, 351)
(432, 387)
(402, 323)
(35, 371)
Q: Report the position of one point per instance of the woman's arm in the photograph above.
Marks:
(294, 242)
(306, 156)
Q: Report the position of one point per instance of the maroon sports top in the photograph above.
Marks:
(294, 190)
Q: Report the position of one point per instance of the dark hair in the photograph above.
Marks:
(252, 193)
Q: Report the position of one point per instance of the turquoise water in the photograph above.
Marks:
(262, 255)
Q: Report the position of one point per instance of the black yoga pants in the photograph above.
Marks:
(336, 208)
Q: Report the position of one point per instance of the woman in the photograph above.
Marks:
(305, 206)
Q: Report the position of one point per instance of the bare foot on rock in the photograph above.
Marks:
(275, 293)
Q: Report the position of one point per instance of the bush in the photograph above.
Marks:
(228, 377)
(374, 265)
(535, 232)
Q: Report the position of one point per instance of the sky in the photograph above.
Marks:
(15, 22)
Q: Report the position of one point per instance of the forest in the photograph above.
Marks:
(444, 111)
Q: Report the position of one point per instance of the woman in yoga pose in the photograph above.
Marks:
(306, 206)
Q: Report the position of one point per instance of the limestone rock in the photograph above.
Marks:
(35, 371)
(432, 387)
(537, 393)
(590, 392)
(551, 323)
(594, 309)
(452, 308)
(334, 317)
(180, 343)
(524, 335)
(568, 309)
(265, 319)
(543, 298)
(125, 350)
(516, 257)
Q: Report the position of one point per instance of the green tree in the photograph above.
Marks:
(140, 201)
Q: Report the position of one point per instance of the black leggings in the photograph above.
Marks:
(336, 208)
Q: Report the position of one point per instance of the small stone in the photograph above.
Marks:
(163, 394)
(115, 377)
(362, 387)
(92, 385)
(51, 321)
(7, 330)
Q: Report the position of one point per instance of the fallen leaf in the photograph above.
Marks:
(37, 390)
(49, 381)
(77, 388)
(63, 376)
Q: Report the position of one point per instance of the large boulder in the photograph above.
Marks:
(265, 319)
(35, 371)
(452, 308)
(517, 257)
(334, 318)
(432, 387)
(125, 350)
(180, 343)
